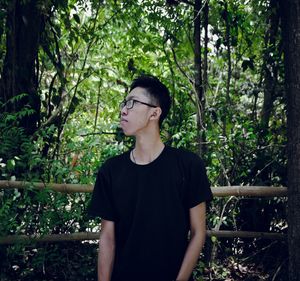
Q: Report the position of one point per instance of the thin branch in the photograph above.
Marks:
(50, 94)
(98, 133)
(259, 251)
(97, 107)
(278, 269)
(180, 68)
(82, 68)
(218, 225)
(200, 10)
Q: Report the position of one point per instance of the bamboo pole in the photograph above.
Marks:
(246, 234)
(261, 191)
(79, 236)
(84, 236)
(220, 191)
(60, 187)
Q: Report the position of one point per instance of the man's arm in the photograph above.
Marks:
(106, 253)
(197, 239)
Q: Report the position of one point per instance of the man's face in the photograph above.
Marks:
(137, 118)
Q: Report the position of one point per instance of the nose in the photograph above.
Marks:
(124, 110)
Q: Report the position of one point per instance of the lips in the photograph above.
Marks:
(123, 121)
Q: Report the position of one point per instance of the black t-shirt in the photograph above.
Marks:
(150, 207)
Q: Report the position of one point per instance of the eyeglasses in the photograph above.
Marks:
(130, 103)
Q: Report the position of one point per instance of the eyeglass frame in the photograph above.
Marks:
(124, 103)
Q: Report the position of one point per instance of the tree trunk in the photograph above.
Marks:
(270, 68)
(24, 24)
(291, 36)
(228, 45)
(205, 53)
(205, 71)
(198, 72)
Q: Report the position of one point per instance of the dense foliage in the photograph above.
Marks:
(88, 53)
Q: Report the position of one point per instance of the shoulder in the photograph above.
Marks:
(187, 161)
(184, 155)
(116, 161)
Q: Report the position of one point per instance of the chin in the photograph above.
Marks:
(128, 133)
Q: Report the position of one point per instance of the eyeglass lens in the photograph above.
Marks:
(127, 103)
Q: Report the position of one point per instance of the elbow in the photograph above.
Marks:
(198, 234)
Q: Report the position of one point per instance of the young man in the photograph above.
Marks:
(151, 199)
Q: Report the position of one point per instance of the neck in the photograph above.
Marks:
(147, 148)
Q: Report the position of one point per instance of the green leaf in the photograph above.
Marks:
(76, 18)
(214, 239)
(10, 164)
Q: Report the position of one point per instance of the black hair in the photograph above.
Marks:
(157, 90)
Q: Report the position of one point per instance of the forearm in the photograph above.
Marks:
(191, 256)
(106, 253)
(106, 257)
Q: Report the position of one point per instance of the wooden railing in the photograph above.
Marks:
(220, 191)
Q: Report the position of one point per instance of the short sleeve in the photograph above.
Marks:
(101, 204)
(198, 184)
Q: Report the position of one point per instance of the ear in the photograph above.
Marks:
(155, 115)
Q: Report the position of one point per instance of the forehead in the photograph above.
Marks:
(137, 92)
